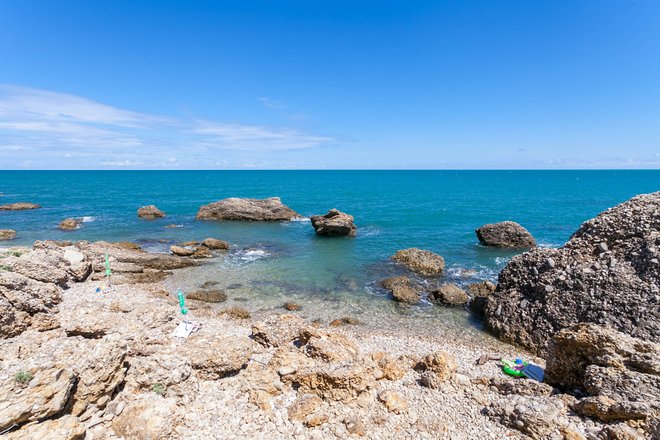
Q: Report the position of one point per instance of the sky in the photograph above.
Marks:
(312, 84)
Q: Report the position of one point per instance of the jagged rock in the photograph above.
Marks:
(69, 224)
(215, 244)
(621, 431)
(420, 261)
(538, 417)
(508, 386)
(149, 418)
(480, 292)
(605, 409)
(403, 289)
(335, 224)
(450, 295)
(212, 296)
(342, 382)
(182, 251)
(441, 364)
(328, 347)
(20, 206)
(37, 265)
(277, 331)
(215, 358)
(394, 401)
(607, 274)
(7, 234)
(234, 208)
(505, 235)
(392, 368)
(303, 407)
(64, 428)
(45, 395)
(150, 212)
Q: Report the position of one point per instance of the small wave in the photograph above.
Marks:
(369, 231)
(88, 219)
(300, 219)
(174, 226)
(249, 255)
(472, 274)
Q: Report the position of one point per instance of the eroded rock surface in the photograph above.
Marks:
(150, 212)
(7, 234)
(334, 224)
(19, 206)
(505, 235)
(271, 209)
(420, 261)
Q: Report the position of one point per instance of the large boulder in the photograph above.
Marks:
(20, 206)
(335, 224)
(270, 209)
(420, 261)
(150, 212)
(7, 234)
(608, 273)
(403, 289)
(449, 295)
(69, 224)
(505, 235)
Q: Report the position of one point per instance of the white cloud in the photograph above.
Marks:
(272, 104)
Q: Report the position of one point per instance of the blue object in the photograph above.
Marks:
(519, 361)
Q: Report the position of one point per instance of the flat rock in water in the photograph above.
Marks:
(215, 244)
(505, 235)
(212, 296)
(7, 234)
(421, 261)
(20, 206)
(270, 209)
(334, 224)
(449, 294)
(403, 289)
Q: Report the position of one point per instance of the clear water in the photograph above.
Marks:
(332, 277)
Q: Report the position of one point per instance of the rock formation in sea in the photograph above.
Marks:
(403, 289)
(270, 209)
(608, 273)
(334, 224)
(198, 249)
(19, 206)
(449, 295)
(7, 234)
(420, 261)
(69, 224)
(150, 212)
(505, 235)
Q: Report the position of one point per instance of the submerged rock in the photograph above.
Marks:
(420, 261)
(150, 212)
(449, 294)
(335, 224)
(211, 296)
(7, 234)
(182, 251)
(20, 206)
(403, 289)
(234, 208)
(608, 273)
(69, 224)
(505, 235)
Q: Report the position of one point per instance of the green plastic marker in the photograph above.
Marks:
(108, 272)
(182, 303)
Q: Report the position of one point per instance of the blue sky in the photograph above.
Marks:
(329, 84)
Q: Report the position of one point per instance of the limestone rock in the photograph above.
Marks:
(342, 382)
(69, 224)
(328, 347)
(7, 234)
(148, 418)
(150, 212)
(480, 292)
(234, 208)
(505, 235)
(393, 368)
(215, 358)
(607, 274)
(441, 363)
(394, 401)
(334, 224)
(211, 296)
(303, 407)
(536, 417)
(215, 244)
(64, 428)
(20, 206)
(277, 331)
(450, 295)
(403, 289)
(420, 261)
(182, 251)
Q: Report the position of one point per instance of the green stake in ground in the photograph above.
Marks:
(182, 303)
(108, 272)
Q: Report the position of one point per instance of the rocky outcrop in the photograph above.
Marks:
(449, 295)
(505, 235)
(436, 368)
(420, 261)
(20, 206)
(69, 224)
(215, 244)
(271, 209)
(620, 374)
(536, 417)
(150, 212)
(334, 224)
(480, 292)
(608, 273)
(7, 234)
(182, 251)
(403, 289)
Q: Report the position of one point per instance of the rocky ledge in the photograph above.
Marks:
(334, 224)
(608, 273)
(7, 234)
(505, 235)
(150, 212)
(270, 209)
(19, 206)
(420, 261)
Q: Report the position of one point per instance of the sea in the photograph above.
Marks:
(271, 263)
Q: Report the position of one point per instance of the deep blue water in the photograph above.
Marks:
(436, 210)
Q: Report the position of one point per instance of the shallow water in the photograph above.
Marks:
(332, 277)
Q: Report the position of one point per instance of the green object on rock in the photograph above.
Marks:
(513, 368)
(182, 303)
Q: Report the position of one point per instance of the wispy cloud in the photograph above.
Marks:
(272, 104)
(64, 125)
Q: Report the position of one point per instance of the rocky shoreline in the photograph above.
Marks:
(84, 360)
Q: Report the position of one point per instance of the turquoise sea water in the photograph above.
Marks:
(270, 262)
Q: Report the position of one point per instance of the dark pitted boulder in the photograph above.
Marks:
(7, 234)
(234, 208)
(608, 273)
(20, 206)
(69, 224)
(505, 235)
(403, 289)
(420, 261)
(479, 293)
(449, 295)
(334, 224)
(150, 212)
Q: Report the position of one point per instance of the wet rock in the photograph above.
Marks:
(215, 358)
(292, 306)
(210, 296)
(7, 234)
(346, 320)
(270, 209)
(209, 284)
(215, 244)
(403, 289)
(150, 212)
(420, 261)
(394, 401)
(449, 295)
(616, 288)
(182, 251)
(334, 224)
(150, 417)
(236, 313)
(505, 235)
(480, 292)
(70, 224)
(20, 206)
(536, 417)
(64, 428)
